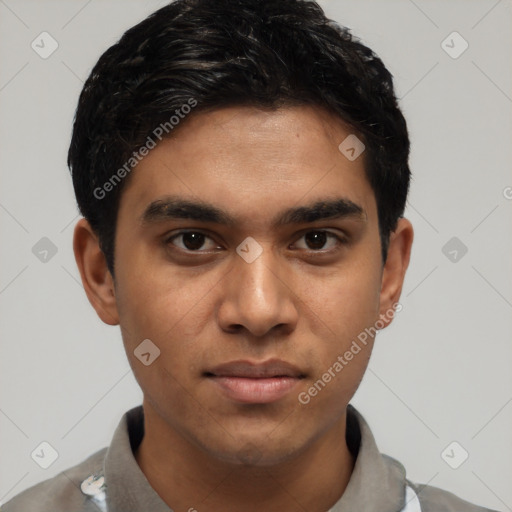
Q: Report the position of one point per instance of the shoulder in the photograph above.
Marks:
(62, 493)
(434, 499)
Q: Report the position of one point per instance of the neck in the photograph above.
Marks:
(187, 478)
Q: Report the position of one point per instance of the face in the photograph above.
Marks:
(250, 289)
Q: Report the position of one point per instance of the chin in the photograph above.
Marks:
(259, 452)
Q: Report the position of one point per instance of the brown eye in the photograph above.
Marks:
(316, 240)
(191, 241)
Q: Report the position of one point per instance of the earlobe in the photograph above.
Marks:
(399, 253)
(96, 277)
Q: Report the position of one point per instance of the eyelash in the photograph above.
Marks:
(340, 241)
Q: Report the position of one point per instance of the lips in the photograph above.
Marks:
(253, 383)
(271, 368)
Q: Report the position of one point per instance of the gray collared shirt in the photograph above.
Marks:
(110, 480)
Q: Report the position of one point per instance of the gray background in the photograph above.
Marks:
(439, 373)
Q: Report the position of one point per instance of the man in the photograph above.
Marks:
(242, 170)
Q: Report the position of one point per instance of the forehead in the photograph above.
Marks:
(251, 162)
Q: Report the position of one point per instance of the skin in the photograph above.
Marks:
(201, 449)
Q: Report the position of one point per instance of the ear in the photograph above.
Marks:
(399, 252)
(96, 278)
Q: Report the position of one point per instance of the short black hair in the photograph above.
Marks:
(209, 54)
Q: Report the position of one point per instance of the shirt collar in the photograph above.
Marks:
(377, 483)
(127, 486)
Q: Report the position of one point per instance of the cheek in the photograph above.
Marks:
(347, 307)
(167, 313)
(346, 301)
(172, 310)
(347, 313)
(154, 299)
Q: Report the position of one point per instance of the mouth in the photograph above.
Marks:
(255, 383)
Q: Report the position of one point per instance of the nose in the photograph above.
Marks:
(258, 296)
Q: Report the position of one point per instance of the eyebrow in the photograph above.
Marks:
(174, 207)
